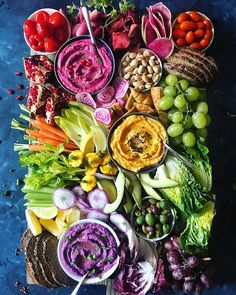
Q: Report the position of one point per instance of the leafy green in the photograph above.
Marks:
(189, 196)
(99, 4)
(125, 5)
(49, 167)
(203, 168)
(194, 239)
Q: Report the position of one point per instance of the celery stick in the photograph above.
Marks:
(45, 190)
(38, 196)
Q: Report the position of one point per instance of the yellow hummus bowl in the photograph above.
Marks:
(136, 143)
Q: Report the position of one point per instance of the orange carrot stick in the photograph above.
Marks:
(44, 126)
(40, 147)
(56, 143)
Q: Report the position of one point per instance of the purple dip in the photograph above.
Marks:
(80, 68)
(88, 247)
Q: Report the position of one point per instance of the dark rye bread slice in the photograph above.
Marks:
(182, 72)
(29, 265)
(50, 254)
(192, 64)
(37, 266)
(38, 254)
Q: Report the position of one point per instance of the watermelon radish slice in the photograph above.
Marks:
(163, 47)
(97, 199)
(63, 198)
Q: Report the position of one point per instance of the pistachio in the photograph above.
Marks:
(134, 63)
(147, 53)
(127, 59)
(128, 69)
(144, 62)
(132, 55)
(145, 79)
(141, 69)
(141, 87)
(152, 62)
(138, 77)
(148, 85)
(135, 71)
(156, 69)
(155, 77)
(150, 70)
(127, 76)
(149, 76)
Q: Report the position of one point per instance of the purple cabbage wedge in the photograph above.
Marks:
(157, 31)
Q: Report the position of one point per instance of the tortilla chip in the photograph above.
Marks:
(130, 102)
(140, 96)
(126, 97)
(157, 93)
(163, 117)
(144, 108)
(132, 110)
(116, 107)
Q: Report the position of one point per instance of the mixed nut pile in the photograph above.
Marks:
(142, 69)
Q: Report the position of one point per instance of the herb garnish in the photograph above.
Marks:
(107, 259)
(92, 272)
(91, 256)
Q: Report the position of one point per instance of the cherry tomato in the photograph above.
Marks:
(199, 33)
(182, 17)
(176, 27)
(195, 16)
(29, 27)
(207, 24)
(181, 42)
(36, 42)
(44, 29)
(188, 26)
(57, 20)
(200, 25)
(179, 34)
(204, 42)
(190, 37)
(61, 34)
(196, 45)
(42, 16)
(208, 34)
(51, 45)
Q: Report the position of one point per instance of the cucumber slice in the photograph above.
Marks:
(155, 183)
(109, 187)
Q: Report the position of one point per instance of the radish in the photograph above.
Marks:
(97, 199)
(79, 192)
(97, 215)
(163, 47)
(63, 198)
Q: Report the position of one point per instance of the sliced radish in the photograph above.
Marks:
(97, 199)
(97, 215)
(63, 198)
(163, 47)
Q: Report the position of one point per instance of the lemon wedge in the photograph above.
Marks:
(33, 222)
(50, 225)
(87, 144)
(72, 216)
(46, 213)
(99, 138)
(61, 218)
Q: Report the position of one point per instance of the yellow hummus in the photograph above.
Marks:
(137, 142)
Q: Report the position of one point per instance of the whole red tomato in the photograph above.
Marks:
(36, 42)
(44, 29)
(51, 45)
(29, 27)
(42, 16)
(61, 34)
(57, 20)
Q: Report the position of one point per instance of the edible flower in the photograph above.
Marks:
(88, 182)
(109, 169)
(93, 159)
(75, 158)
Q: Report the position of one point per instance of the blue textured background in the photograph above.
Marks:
(222, 133)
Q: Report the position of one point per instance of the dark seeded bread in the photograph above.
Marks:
(38, 254)
(50, 254)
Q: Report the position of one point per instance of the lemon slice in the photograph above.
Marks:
(33, 222)
(51, 226)
(99, 138)
(46, 213)
(72, 216)
(87, 144)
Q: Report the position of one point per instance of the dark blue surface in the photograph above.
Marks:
(222, 133)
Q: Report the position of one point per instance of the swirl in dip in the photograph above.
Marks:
(88, 247)
(137, 142)
(80, 69)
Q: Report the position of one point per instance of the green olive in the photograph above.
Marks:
(166, 228)
(158, 226)
(164, 212)
(140, 220)
(144, 229)
(137, 213)
(159, 233)
(150, 219)
(163, 219)
(149, 210)
(165, 204)
(149, 235)
(152, 201)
